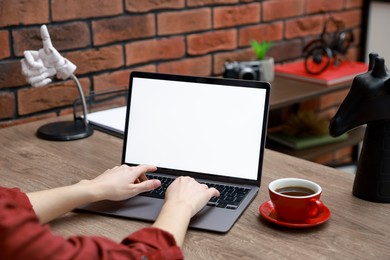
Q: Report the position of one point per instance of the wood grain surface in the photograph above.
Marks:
(357, 229)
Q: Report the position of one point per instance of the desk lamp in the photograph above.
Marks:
(38, 67)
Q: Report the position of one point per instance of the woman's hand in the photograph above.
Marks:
(183, 199)
(122, 182)
(118, 183)
(187, 191)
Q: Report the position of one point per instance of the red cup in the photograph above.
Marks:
(296, 199)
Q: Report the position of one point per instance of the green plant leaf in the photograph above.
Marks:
(261, 49)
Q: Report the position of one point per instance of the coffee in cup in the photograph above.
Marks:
(296, 199)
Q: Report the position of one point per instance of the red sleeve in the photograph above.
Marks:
(16, 197)
(22, 237)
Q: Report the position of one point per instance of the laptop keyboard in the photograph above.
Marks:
(230, 198)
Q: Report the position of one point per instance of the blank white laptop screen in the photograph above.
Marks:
(197, 127)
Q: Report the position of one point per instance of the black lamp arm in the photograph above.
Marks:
(82, 97)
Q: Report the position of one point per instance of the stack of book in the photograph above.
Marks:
(303, 142)
(344, 72)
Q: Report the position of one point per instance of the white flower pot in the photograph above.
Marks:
(267, 72)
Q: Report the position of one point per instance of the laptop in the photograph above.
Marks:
(212, 129)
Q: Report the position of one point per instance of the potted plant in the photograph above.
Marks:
(266, 63)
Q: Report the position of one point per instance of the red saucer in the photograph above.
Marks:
(268, 212)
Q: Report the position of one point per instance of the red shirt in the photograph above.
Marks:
(23, 237)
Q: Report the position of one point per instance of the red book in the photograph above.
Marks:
(344, 72)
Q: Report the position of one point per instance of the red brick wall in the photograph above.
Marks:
(107, 39)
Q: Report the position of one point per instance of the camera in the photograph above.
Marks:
(249, 70)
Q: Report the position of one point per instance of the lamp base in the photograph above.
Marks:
(65, 131)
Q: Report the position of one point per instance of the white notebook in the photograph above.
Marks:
(111, 120)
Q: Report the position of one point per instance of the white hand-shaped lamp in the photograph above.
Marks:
(38, 67)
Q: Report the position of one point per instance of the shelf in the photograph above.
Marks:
(286, 92)
(355, 137)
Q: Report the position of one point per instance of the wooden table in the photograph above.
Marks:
(357, 229)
